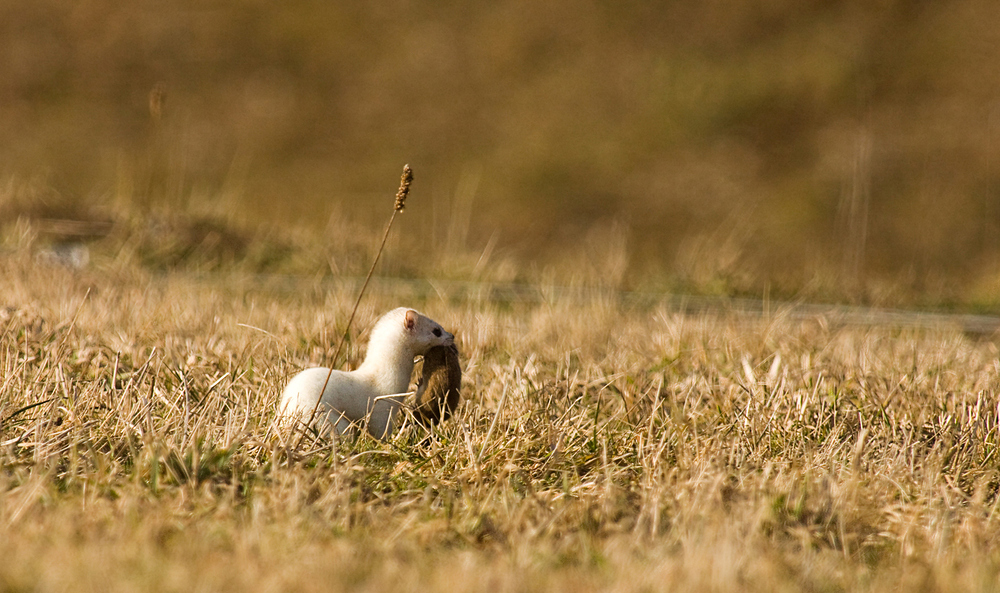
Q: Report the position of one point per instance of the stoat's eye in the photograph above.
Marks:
(437, 331)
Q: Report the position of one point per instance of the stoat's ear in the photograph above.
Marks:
(410, 321)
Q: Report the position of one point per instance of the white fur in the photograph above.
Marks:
(376, 389)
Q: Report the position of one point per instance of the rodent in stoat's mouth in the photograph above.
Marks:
(438, 391)
(376, 389)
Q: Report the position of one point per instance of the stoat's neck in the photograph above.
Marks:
(388, 362)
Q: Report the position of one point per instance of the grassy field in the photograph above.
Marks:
(600, 447)
(189, 195)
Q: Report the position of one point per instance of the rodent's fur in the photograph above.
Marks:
(438, 392)
(376, 389)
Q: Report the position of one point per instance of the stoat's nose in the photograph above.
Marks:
(449, 339)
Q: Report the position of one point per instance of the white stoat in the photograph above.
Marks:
(376, 389)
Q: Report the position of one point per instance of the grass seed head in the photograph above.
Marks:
(404, 187)
(157, 97)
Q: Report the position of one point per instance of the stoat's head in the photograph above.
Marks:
(409, 328)
(424, 333)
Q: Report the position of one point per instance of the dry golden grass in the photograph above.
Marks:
(598, 448)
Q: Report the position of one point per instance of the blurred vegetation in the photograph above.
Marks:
(811, 148)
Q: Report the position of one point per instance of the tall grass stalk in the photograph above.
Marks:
(404, 190)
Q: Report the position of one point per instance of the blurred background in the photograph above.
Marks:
(814, 149)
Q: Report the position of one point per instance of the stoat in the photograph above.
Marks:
(376, 389)
(438, 390)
